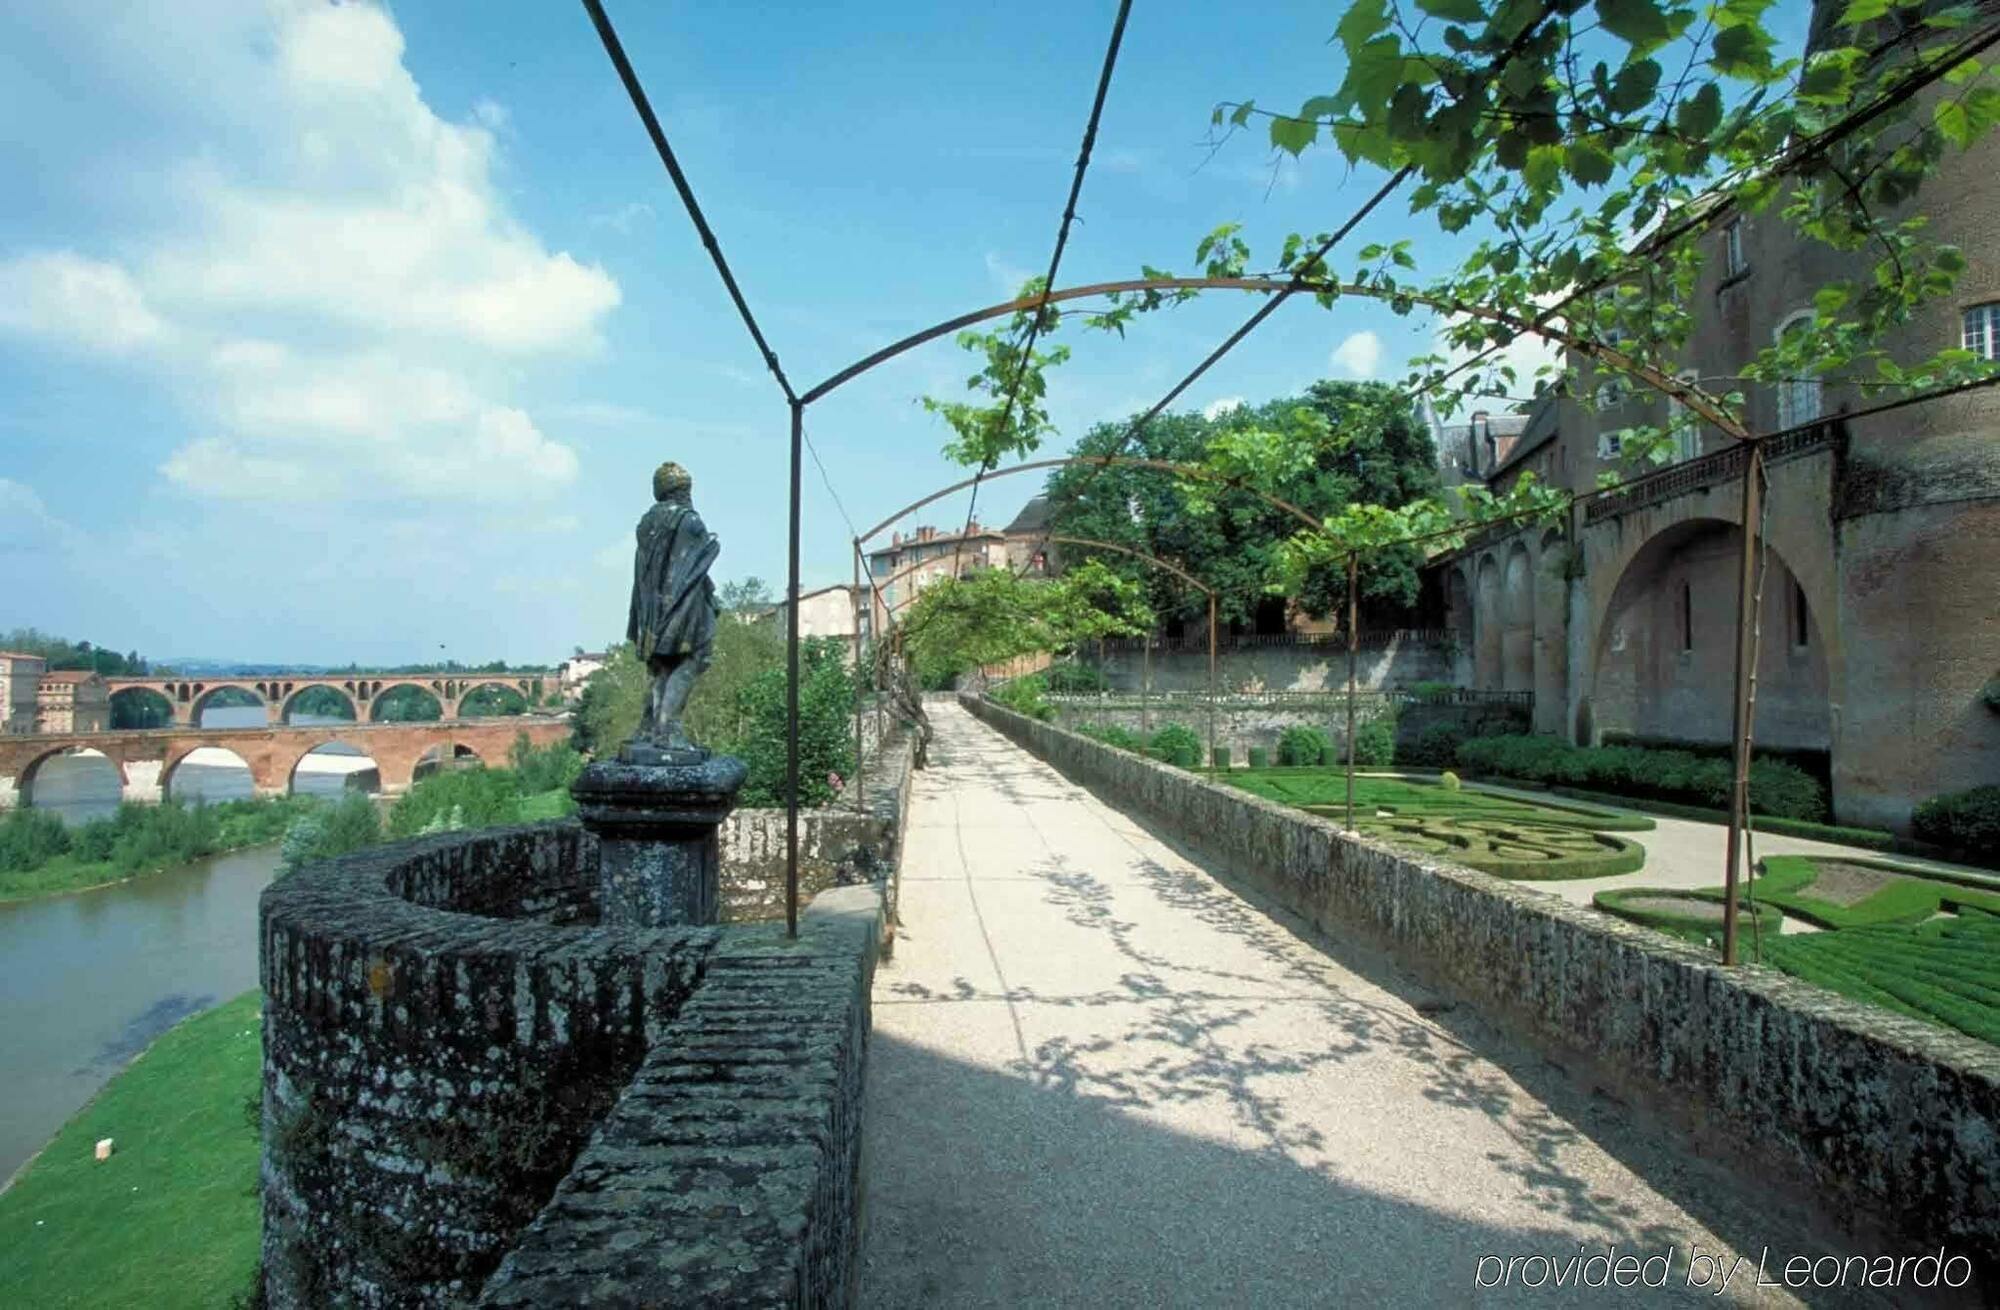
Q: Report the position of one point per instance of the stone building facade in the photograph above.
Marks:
(909, 563)
(72, 700)
(20, 690)
(1881, 613)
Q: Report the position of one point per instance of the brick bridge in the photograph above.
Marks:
(187, 696)
(146, 759)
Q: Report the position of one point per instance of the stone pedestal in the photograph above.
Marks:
(654, 813)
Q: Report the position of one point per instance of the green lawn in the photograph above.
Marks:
(171, 1218)
(1494, 834)
(1787, 882)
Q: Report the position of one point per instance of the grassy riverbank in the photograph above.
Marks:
(39, 856)
(171, 1218)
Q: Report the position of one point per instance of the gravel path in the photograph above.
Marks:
(1099, 1077)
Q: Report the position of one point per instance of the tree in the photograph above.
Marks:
(959, 624)
(1230, 539)
(744, 595)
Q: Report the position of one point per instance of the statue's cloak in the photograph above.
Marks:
(673, 601)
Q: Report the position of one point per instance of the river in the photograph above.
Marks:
(91, 978)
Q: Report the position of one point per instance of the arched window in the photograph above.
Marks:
(1982, 330)
(1798, 397)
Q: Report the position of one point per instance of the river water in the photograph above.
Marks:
(89, 979)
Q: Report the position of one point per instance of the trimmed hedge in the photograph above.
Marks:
(1259, 758)
(1435, 747)
(1966, 823)
(1874, 839)
(1304, 745)
(1778, 789)
(1176, 744)
(1374, 743)
(1751, 916)
(1220, 758)
(1112, 735)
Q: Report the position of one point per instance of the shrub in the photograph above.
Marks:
(1257, 757)
(1967, 822)
(1068, 679)
(1374, 743)
(1025, 696)
(545, 768)
(1176, 744)
(1220, 757)
(1776, 788)
(1449, 781)
(483, 797)
(1113, 735)
(1436, 747)
(31, 838)
(325, 831)
(826, 741)
(1304, 745)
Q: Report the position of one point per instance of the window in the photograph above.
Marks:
(1682, 425)
(1610, 445)
(1732, 247)
(1801, 627)
(1798, 397)
(1982, 330)
(1687, 617)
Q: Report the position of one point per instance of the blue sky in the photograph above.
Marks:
(346, 333)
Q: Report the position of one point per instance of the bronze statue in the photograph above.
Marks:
(673, 614)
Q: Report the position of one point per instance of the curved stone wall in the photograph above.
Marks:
(442, 1033)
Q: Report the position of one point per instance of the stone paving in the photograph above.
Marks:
(1101, 1076)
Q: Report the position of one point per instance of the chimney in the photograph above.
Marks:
(896, 538)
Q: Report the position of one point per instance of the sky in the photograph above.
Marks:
(353, 332)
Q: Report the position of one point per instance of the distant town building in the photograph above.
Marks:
(1028, 548)
(827, 612)
(72, 700)
(573, 672)
(1471, 451)
(910, 563)
(20, 690)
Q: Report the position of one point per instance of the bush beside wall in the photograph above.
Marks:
(1776, 788)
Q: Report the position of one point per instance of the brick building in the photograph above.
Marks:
(1881, 611)
(72, 700)
(20, 687)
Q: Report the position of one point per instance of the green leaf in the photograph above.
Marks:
(1863, 11)
(1697, 116)
(1588, 162)
(1364, 21)
(1242, 114)
(1293, 135)
(1742, 52)
(1954, 123)
(1639, 23)
(1634, 86)
(1458, 11)
(1832, 298)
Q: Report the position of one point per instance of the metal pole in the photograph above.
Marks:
(792, 687)
(859, 800)
(1211, 679)
(1739, 795)
(1146, 684)
(1353, 644)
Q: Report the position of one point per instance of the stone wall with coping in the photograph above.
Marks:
(1278, 666)
(838, 845)
(451, 1041)
(1890, 1115)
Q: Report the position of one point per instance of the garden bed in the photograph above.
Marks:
(1690, 914)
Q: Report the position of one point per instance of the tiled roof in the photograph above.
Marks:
(69, 675)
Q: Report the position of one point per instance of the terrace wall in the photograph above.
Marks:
(1889, 1115)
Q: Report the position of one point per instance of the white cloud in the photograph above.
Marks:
(624, 218)
(338, 290)
(75, 301)
(26, 526)
(1215, 409)
(1007, 277)
(1358, 356)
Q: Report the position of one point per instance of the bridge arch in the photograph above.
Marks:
(206, 696)
(176, 783)
(388, 692)
(31, 772)
(466, 688)
(286, 708)
(1663, 646)
(443, 755)
(138, 708)
(333, 781)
